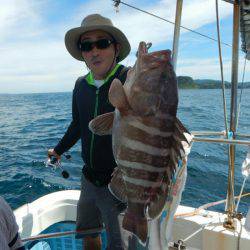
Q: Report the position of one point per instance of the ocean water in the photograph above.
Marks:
(32, 123)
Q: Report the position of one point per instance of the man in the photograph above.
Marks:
(101, 46)
(9, 236)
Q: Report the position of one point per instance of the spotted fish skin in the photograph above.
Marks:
(146, 137)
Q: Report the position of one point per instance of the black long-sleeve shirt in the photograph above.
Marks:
(87, 103)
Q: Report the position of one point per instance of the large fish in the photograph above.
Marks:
(147, 137)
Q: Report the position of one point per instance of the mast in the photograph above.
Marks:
(177, 26)
(229, 222)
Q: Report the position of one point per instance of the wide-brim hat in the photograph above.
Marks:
(95, 22)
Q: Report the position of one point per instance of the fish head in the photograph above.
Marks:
(151, 82)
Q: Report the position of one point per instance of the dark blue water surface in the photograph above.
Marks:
(32, 123)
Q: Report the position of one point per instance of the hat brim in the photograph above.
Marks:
(73, 35)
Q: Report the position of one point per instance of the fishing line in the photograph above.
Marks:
(117, 2)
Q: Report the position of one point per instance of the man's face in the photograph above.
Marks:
(100, 61)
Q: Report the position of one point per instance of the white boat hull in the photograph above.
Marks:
(35, 217)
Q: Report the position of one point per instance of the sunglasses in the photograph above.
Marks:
(86, 46)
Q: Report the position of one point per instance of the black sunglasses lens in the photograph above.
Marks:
(103, 43)
(86, 46)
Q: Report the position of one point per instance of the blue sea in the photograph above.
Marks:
(30, 124)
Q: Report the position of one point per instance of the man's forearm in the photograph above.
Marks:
(71, 136)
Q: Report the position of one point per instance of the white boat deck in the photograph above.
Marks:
(207, 227)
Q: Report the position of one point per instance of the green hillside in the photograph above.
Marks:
(187, 82)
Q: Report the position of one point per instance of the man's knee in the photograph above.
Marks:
(92, 242)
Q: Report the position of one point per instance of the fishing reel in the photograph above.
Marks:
(54, 163)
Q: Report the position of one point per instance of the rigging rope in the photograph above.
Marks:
(197, 231)
(240, 195)
(203, 207)
(221, 69)
(117, 2)
(241, 91)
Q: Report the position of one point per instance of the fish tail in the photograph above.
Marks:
(137, 226)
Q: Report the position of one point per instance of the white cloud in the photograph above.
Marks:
(33, 55)
(209, 68)
(46, 66)
(197, 13)
(19, 19)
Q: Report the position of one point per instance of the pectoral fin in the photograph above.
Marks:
(117, 185)
(117, 96)
(102, 124)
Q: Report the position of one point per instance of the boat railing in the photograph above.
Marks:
(61, 234)
(217, 133)
(219, 140)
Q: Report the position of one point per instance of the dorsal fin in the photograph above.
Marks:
(102, 124)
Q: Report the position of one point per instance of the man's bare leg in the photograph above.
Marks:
(92, 243)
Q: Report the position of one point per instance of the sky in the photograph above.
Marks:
(34, 58)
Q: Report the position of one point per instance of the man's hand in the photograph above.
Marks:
(52, 152)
